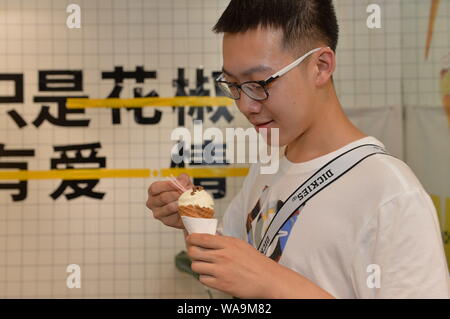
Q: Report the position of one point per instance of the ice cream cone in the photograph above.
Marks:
(196, 211)
(196, 202)
(196, 208)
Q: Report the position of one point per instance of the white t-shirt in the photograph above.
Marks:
(373, 233)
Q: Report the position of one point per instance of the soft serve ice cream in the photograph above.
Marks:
(196, 202)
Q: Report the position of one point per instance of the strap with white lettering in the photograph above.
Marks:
(326, 175)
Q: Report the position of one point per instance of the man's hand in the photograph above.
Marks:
(163, 200)
(233, 266)
(230, 265)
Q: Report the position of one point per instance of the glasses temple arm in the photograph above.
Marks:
(291, 66)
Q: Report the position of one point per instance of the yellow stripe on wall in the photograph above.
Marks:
(75, 174)
(206, 172)
(72, 174)
(82, 103)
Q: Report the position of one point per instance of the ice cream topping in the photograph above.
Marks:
(196, 196)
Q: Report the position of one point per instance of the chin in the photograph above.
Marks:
(274, 138)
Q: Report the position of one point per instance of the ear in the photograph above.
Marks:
(325, 66)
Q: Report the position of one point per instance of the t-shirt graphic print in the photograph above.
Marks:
(259, 218)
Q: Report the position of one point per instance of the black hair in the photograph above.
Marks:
(304, 22)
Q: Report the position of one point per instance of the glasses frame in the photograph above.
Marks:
(266, 82)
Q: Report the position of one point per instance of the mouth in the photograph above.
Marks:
(261, 125)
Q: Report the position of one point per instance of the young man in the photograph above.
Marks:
(373, 233)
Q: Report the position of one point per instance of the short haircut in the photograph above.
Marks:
(304, 23)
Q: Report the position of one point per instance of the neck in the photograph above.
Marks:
(326, 134)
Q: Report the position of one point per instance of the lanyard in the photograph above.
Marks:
(324, 177)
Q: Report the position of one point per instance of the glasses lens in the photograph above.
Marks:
(229, 90)
(254, 90)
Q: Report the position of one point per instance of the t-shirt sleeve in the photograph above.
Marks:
(404, 251)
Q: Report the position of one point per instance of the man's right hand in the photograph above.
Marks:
(163, 200)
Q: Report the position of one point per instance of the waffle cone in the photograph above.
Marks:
(196, 211)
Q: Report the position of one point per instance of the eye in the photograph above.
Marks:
(254, 86)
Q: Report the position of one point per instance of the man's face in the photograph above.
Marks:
(255, 55)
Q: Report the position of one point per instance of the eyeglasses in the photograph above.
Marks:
(256, 90)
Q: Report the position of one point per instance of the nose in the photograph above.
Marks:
(248, 105)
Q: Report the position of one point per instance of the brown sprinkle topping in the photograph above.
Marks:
(196, 189)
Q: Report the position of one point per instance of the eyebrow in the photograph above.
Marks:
(250, 71)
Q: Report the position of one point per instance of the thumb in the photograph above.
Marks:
(185, 180)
